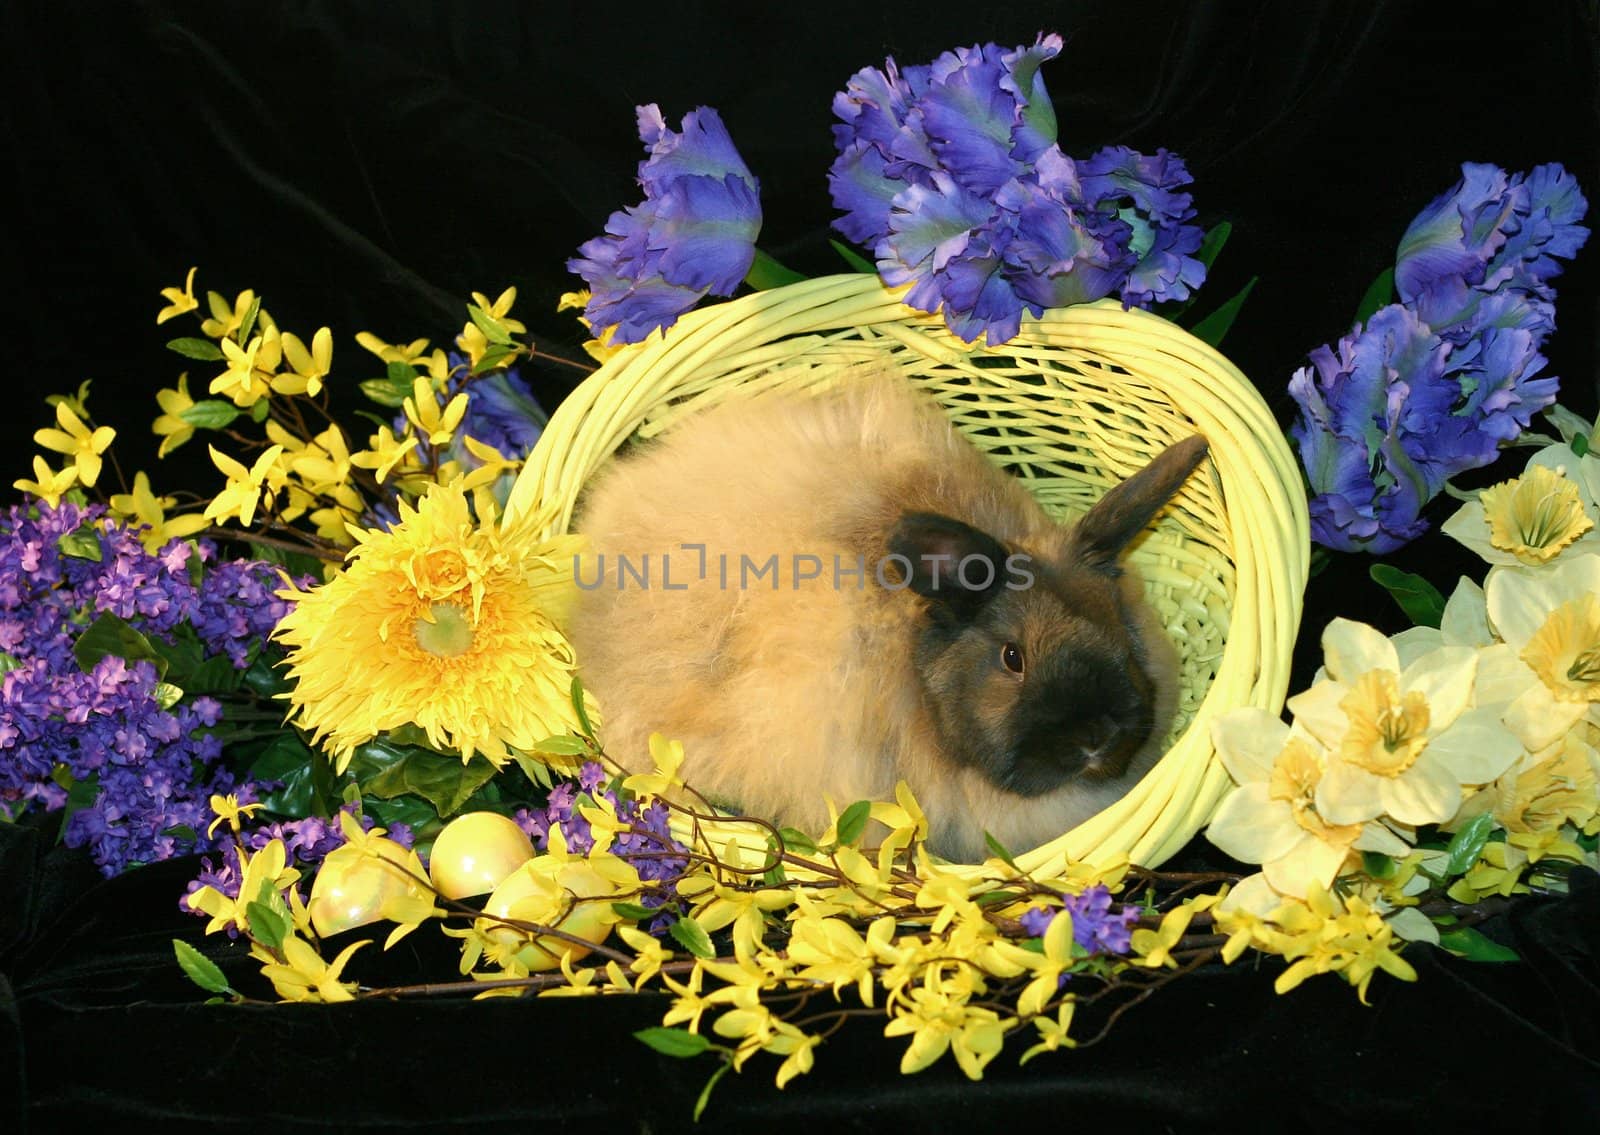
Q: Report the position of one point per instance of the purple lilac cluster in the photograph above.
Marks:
(693, 235)
(950, 173)
(143, 766)
(1435, 384)
(651, 848)
(1098, 925)
(306, 841)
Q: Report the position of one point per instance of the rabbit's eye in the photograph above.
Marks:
(1011, 657)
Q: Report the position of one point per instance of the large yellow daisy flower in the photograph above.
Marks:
(440, 623)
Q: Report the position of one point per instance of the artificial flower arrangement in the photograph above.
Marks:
(377, 719)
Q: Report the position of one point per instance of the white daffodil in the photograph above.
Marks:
(1401, 742)
(1272, 818)
(1550, 618)
(1547, 512)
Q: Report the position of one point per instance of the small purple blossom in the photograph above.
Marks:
(649, 846)
(692, 236)
(1098, 927)
(950, 173)
(306, 842)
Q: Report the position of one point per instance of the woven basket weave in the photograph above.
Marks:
(1083, 397)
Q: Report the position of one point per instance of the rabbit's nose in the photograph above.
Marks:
(1099, 734)
(1109, 745)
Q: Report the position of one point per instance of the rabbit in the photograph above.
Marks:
(826, 594)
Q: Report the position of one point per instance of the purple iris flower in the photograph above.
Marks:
(1493, 230)
(693, 235)
(1436, 384)
(950, 173)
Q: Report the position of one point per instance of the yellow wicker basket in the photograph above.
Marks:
(1081, 398)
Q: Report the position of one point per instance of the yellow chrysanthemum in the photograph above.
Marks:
(439, 623)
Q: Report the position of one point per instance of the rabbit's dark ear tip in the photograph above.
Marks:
(1190, 451)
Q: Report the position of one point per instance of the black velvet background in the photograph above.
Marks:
(367, 164)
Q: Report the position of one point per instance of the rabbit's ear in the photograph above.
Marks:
(1123, 512)
(953, 564)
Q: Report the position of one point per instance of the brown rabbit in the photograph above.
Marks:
(827, 594)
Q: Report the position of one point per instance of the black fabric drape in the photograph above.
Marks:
(367, 164)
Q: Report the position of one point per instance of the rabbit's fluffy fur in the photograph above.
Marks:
(783, 688)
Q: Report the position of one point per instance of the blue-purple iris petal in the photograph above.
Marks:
(951, 174)
(1456, 233)
(968, 118)
(927, 226)
(702, 148)
(862, 190)
(705, 230)
(693, 235)
(1036, 126)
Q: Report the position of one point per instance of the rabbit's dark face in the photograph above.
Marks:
(1046, 683)
(1035, 670)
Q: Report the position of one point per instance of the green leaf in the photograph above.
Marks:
(264, 678)
(692, 937)
(1580, 444)
(1379, 293)
(493, 358)
(402, 375)
(200, 969)
(999, 851)
(775, 876)
(705, 1092)
(181, 831)
(1466, 845)
(1465, 942)
(267, 926)
(564, 745)
(81, 543)
(854, 259)
(1377, 865)
(673, 1042)
(1211, 244)
(797, 841)
(1214, 327)
(385, 393)
(578, 706)
(167, 695)
(198, 675)
(203, 349)
(853, 821)
(249, 323)
(1418, 598)
(445, 782)
(493, 330)
(259, 411)
(306, 783)
(110, 635)
(633, 912)
(9, 662)
(211, 414)
(413, 811)
(765, 272)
